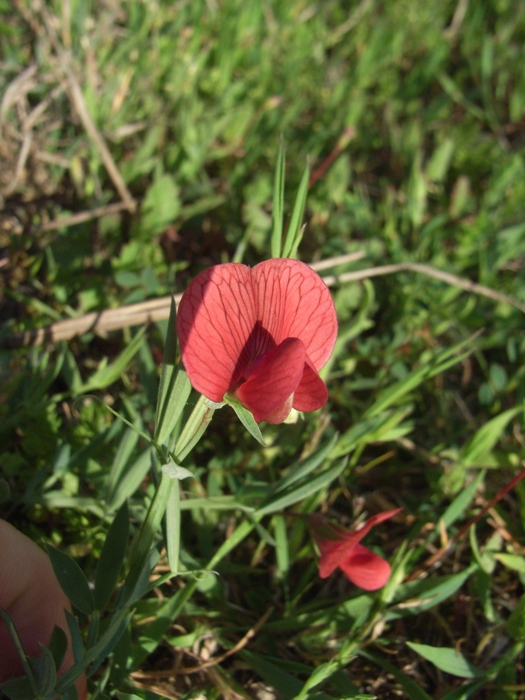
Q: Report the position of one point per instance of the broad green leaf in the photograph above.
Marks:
(112, 557)
(72, 580)
(447, 659)
(278, 203)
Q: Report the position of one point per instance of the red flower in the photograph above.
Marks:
(259, 333)
(340, 549)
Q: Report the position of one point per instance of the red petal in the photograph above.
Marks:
(216, 317)
(273, 379)
(365, 568)
(335, 550)
(281, 414)
(311, 393)
(332, 553)
(294, 302)
(370, 523)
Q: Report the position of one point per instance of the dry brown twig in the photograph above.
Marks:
(159, 309)
(169, 673)
(145, 312)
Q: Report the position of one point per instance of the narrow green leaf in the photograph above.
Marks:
(46, 671)
(109, 374)
(173, 527)
(18, 689)
(281, 547)
(58, 645)
(516, 622)
(298, 493)
(414, 597)
(125, 449)
(77, 643)
(174, 387)
(515, 562)
(270, 670)
(140, 551)
(130, 479)
(438, 364)
(101, 648)
(134, 589)
(72, 580)
(447, 659)
(194, 428)
(278, 203)
(305, 467)
(368, 430)
(20, 651)
(459, 505)
(411, 689)
(246, 418)
(296, 229)
(477, 450)
(112, 557)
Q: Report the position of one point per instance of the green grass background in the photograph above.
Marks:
(425, 104)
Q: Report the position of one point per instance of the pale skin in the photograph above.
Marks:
(32, 596)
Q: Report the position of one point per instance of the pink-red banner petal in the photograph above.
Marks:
(215, 319)
(294, 302)
(231, 316)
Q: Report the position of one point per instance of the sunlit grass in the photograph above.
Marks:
(424, 106)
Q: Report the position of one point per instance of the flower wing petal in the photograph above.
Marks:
(215, 318)
(365, 568)
(332, 553)
(370, 523)
(273, 379)
(336, 545)
(311, 393)
(294, 302)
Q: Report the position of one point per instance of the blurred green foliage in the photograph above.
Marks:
(424, 105)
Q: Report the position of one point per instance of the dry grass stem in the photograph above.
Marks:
(158, 309)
